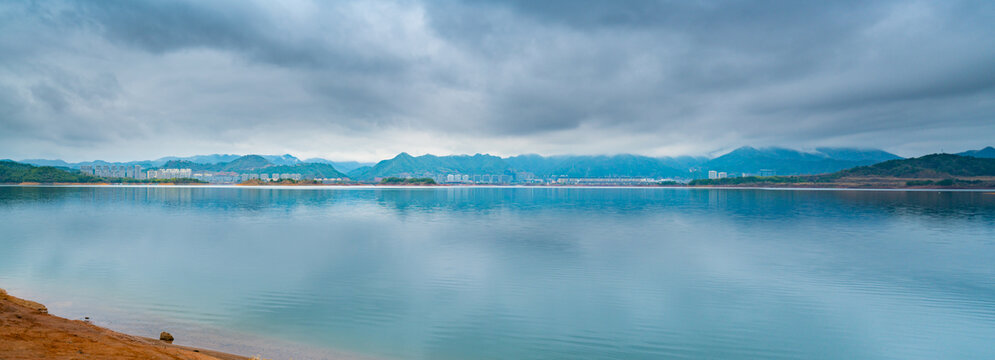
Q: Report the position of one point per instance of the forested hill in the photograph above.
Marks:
(927, 167)
(15, 172)
(937, 170)
(258, 164)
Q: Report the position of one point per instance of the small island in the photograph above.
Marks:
(407, 181)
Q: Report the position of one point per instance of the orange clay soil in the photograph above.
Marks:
(27, 331)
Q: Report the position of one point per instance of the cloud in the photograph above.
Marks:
(118, 79)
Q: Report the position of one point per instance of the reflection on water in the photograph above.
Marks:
(454, 273)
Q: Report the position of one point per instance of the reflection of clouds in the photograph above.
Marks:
(584, 272)
(774, 205)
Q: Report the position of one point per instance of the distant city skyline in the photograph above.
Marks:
(364, 80)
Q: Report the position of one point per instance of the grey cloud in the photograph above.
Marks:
(52, 97)
(245, 27)
(740, 50)
(750, 72)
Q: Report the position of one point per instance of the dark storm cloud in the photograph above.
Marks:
(557, 76)
(163, 26)
(755, 59)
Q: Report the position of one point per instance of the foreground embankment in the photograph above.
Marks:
(27, 331)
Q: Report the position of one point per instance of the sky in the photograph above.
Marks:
(364, 80)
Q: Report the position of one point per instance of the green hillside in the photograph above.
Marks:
(793, 162)
(256, 164)
(405, 165)
(927, 167)
(247, 162)
(14, 172)
(930, 170)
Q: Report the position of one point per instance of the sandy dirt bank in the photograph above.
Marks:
(27, 331)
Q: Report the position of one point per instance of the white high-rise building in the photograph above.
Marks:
(712, 174)
(169, 173)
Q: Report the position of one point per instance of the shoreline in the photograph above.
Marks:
(28, 331)
(841, 187)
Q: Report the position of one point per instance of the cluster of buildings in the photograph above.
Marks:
(119, 171)
(222, 177)
(473, 179)
(134, 172)
(169, 174)
(214, 177)
(227, 177)
(529, 178)
(610, 181)
(712, 174)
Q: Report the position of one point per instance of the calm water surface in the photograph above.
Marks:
(516, 273)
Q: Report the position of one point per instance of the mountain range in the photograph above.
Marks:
(285, 159)
(405, 165)
(743, 160)
(201, 162)
(783, 161)
(343, 166)
(258, 164)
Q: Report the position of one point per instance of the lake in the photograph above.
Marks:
(515, 273)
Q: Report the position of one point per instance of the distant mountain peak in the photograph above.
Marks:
(247, 162)
(784, 161)
(285, 159)
(744, 150)
(987, 152)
